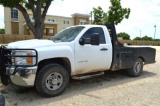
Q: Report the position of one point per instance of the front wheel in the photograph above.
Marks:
(52, 80)
(136, 69)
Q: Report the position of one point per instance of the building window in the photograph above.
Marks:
(65, 22)
(82, 23)
(50, 30)
(14, 13)
(50, 20)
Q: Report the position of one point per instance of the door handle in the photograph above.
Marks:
(104, 49)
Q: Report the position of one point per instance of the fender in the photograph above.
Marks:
(57, 52)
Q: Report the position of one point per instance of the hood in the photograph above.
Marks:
(34, 43)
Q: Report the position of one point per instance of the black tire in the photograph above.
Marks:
(44, 80)
(136, 69)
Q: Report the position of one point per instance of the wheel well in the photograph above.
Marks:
(62, 61)
(142, 58)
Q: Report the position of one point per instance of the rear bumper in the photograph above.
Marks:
(24, 76)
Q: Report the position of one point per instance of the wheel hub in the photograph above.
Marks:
(137, 67)
(54, 81)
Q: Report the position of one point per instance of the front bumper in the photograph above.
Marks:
(24, 76)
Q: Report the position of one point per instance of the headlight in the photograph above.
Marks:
(26, 60)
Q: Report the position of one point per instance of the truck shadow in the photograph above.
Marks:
(17, 95)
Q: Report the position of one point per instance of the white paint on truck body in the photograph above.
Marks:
(83, 58)
(89, 58)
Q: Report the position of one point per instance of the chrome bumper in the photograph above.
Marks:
(24, 76)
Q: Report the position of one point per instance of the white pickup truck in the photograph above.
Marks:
(74, 52)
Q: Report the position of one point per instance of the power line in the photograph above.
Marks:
(91, 16)
(155, 32)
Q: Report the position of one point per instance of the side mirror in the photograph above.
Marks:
(95, 39)
(82, 41)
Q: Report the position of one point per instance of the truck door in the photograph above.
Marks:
(91, 58)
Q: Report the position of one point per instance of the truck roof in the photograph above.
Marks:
(91, 25)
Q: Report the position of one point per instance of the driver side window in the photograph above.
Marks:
(89, 32)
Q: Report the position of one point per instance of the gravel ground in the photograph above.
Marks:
(111, 89)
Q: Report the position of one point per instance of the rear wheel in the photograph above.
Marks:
(52, 80)
(136, 69)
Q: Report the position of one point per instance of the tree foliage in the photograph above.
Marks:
(99, 16)
(39, 9)
(137, 38)
(116, 13)
(2, 31)
(146, 38)
(124, 35)
(157, 40)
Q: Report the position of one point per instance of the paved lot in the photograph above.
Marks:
(112, 89)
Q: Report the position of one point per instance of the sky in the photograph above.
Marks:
(145, 14)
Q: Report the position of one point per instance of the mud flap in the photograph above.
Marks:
(4, 77)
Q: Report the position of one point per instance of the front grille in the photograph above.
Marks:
(10, 56)
(7, 58)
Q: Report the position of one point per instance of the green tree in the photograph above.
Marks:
(137, 38)
(124, 35)
(116, 13)
(2, 31)
(147, 38)
(99, 16)
(39, 9)
(157, 40)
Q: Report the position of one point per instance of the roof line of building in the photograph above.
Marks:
(58, 16)
(72, 15)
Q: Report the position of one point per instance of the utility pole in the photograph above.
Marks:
(91, 16)
(155, 32)
(140, 33)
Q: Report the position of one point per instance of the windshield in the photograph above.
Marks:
(68, 34)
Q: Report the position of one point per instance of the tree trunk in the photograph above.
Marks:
(38, 26)
(38, 31)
